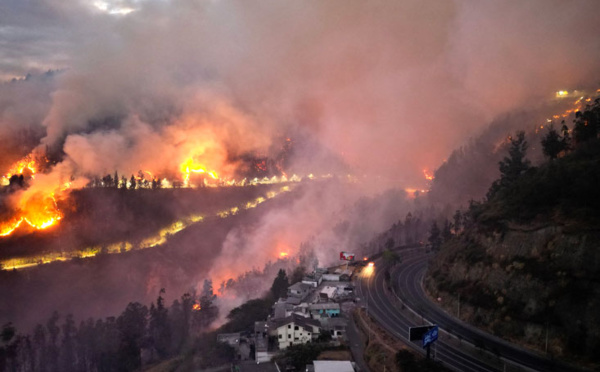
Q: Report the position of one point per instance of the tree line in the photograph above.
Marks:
(139, 335)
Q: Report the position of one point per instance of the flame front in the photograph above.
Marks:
(38, 211)
(190, 166)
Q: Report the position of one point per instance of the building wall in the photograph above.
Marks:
(294, 334)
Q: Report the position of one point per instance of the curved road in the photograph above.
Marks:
(409, 276)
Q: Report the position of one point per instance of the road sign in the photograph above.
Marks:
(417, 333)
(430, 336)
(346, 256)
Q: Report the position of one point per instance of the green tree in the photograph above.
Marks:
(297, 274)
(447, 231)
(566, 136)
(298, 356)
(458, 221)
(513, 165)
(52, 349)
(132, 331)
(389, 243)
(208, 311)
(242, 318)
(435, 236)
(390, 257)
(280, 285)
(158, 328)
(587, 123)
(67, 350)
(552, 144)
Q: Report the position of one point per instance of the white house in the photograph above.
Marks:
(295, 330)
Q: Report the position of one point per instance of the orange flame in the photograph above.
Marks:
(283, 254)
(39, 211)
(428, 176)
(189, 166)
(19, 167)
(196, 307)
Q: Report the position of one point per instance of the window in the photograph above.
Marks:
(280, 337)
(289, 326)
(289, 336)
(296, 328)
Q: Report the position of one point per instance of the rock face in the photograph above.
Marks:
(524, 284)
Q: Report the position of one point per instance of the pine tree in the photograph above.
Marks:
(458, 221)
(512, 166)
(280, 285)
(435, 237)
(552, 144)
(447, 231)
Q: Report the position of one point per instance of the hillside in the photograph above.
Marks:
(526, 265)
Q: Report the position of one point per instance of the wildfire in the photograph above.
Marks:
(428, 176)
(283, 254)
(20, 166)
(39, 209)
(196, 307)
(190, 166)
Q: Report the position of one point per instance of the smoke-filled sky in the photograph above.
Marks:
(389, 86)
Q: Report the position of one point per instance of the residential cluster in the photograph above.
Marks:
(314, 310)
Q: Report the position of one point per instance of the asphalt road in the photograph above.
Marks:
(408, 275)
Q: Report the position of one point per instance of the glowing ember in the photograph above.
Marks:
(196, 307)
(428, 176)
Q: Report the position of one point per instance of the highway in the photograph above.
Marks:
(387, 311)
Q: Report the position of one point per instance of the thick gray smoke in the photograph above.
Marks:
(392, 87)
(387, 87)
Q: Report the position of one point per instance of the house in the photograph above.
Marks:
(295, 330)
(331, 277)
(332, 366)
(293, 301)
(335, 326)
(299, 290)
(327, 293)
(282, 309)
(314, 279)
(324, 309)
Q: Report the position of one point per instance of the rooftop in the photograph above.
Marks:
(333, 366)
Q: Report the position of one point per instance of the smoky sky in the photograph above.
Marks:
(391, 87)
